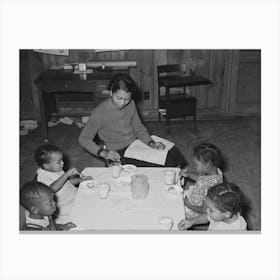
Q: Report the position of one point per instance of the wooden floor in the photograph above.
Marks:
(239, 140)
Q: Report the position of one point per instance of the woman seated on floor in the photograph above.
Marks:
(117, 124)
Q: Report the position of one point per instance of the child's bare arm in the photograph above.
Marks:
(185, 224)
(201, 219)
(193, 176)
(79, 179)
(198, 209)
(58, 184)
(188, 174)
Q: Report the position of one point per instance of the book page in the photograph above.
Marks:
(139, 150)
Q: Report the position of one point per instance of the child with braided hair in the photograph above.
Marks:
(224, 207)
(208, 160)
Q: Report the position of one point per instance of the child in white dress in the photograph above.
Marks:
(224, 204)
(50, 159)
(207, 159)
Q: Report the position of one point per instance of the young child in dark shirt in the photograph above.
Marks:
(38, 199)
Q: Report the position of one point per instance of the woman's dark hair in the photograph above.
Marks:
(123, 82)
(43, 153)
(228, 197)
(208, 152)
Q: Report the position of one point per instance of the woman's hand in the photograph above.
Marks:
(157, 145)
(185, 224)
(110, 154)
(85, 178)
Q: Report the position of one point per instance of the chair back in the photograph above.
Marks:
(171, 69)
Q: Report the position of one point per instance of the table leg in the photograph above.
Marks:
(194, 122)
(44, 125)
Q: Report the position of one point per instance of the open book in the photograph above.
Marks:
(139, 150)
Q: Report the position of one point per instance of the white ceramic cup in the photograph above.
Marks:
(103, 189)
(170, 176)
(116, 168)
(166, 222)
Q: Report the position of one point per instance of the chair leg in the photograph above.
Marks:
(194, 122)
(159, 116)
(167, 125)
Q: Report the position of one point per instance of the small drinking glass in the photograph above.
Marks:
(170, 176)
(166, 222)
(116, 167)
(103, 189)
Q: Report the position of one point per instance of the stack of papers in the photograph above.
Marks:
(139, 150)
(28, 124)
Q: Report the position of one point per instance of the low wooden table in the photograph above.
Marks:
(120, 211)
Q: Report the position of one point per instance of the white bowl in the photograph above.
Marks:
(129, 168)
(90, 184)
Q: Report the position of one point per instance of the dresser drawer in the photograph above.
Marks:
(69, 86)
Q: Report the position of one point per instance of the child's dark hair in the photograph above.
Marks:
(43, 153)
(228, 197)
(123, 82)
(208, 152)
(30, 192)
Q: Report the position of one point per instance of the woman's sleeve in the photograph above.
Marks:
(139, 129)
(89, 132)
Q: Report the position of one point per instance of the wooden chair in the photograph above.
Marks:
(179, 104)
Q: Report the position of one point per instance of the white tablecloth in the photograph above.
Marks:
(120, 211)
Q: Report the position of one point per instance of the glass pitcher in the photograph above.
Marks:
(139, 186)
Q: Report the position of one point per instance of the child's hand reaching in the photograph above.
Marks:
(81, 178)
(184, 172)
(69, 226)
(185, 224)
(65, 226)
(188, 173)
(73, 176)
(85, 178)
(71, 171)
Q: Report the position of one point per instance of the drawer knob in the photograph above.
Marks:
(66, 85)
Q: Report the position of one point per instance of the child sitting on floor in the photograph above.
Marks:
(207, 158)
(37, 198)
(50, 159)
(224, 205)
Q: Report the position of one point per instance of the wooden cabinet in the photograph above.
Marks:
(56, 87)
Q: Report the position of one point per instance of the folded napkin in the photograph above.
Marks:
(139, 150)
